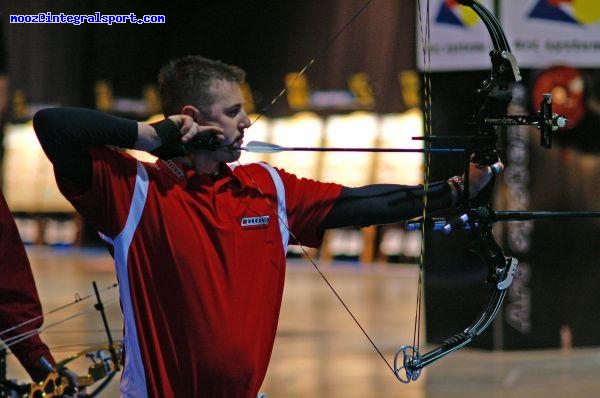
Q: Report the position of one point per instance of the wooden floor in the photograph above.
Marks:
(319, 351)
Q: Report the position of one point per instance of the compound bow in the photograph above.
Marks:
(493, 98)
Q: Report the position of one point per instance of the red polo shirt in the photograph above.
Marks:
(201, 266)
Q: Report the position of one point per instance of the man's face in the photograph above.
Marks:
(227, 112)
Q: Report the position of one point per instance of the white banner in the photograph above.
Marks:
(544, 32)
(458, 38)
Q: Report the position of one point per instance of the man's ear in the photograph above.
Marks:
(193, 112)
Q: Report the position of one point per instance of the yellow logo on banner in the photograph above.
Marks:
(578, 12)
(468, 17)
(452, 13)
(586, 11)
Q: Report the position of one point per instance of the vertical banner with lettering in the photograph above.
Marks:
(458, 38)
(544, 33)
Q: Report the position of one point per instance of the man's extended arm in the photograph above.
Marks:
(387, 203)
(384, 204)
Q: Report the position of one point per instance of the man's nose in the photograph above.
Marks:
(245, 121)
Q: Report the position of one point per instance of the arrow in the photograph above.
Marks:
(265, 147)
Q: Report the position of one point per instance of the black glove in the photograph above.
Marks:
(171, 147)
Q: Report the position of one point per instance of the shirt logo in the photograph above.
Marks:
(174, 168)
(248, 222)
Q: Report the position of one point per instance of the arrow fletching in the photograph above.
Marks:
(262, 147)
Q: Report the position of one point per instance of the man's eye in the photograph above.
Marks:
(233, 112)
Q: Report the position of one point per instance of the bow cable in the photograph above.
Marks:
(273, 207)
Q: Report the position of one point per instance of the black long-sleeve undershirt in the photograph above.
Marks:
(384, 204)
(66, 134)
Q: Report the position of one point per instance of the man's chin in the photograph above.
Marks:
(235, 155)
(230, 156)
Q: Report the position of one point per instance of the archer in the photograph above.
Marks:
(200, 247)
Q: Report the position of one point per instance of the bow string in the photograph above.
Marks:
(273, 206)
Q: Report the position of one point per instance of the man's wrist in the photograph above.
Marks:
(457, 189)
(171, 146)
(167, 130)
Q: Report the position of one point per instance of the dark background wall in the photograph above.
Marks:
(57, 63)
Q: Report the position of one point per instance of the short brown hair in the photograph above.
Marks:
(187, 80)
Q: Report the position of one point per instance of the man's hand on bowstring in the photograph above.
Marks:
(170, 137)
(192, 131)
